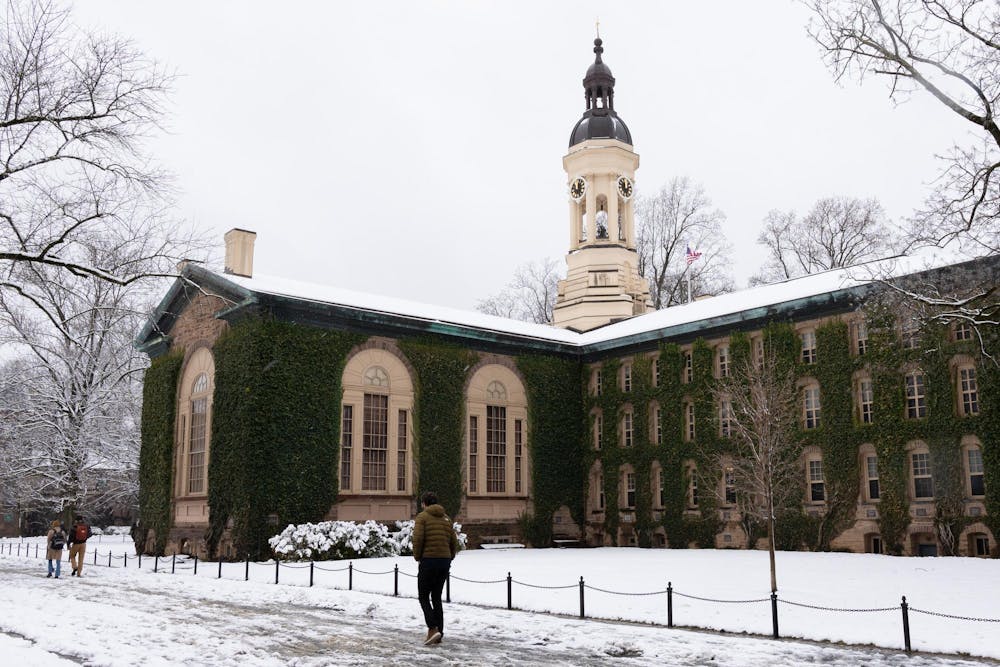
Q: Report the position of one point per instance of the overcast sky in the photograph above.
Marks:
(414, 149)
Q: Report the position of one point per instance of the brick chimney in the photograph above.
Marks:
(239, 252)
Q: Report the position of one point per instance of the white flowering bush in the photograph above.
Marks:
(339, 540)
(333, 540)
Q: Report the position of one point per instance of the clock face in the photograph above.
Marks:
(624, 187)
(578, 188)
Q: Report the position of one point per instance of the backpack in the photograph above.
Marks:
(58, 540)
(80, 533)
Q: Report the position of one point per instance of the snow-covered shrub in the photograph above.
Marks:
(112, 530)
(339, 540)
(403, 537)
(333, 540)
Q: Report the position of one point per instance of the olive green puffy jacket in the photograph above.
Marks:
(433, 535)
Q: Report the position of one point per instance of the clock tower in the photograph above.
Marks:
(602, 282)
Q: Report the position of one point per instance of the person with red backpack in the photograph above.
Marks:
(78, 536)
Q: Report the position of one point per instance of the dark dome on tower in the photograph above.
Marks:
(599, 119)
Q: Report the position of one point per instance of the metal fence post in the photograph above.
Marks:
(581, 598)
(195, 565)
(277, 565)
(311, 564)
(156, 562)
(19, 550)
(173, 564)
(109, 557)
(246, 570)
(125, 561)
(395, 583)
(447, 587)
(906, 624)
(670, 604)
(36, 551)
(140, 559)
(220, 566)
(509, 605)
(350, 575)
(774, 613)
(95, 556)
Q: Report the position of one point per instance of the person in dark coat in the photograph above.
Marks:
(55, 540)
(434, 546)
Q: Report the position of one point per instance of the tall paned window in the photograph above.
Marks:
(199, 422)
(688, 373)
(630, 489)
(627, 377)
(627, 429)
(692, 494)
(859, 336)
(689, 431)
(346, 445)
(916, 399)
(597, 382)
(810, 405)
(473, 454)
(729, 484)
(817, 492)
(375, 442)
(376, 449)
(910, 334)
(600, 491)
(496, 449)
(499, 439)
(866, 401)
(722, 360)
(808, 347)
(968, 391)
(923, 483)
(871, 476)
(758, 353)
(656, 372)
(725, 418)
(657, 427)
(977, 486)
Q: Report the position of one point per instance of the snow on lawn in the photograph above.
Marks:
(177, 608)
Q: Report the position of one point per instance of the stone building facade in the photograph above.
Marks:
(626, 472)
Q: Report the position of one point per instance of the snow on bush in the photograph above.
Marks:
(340, 540)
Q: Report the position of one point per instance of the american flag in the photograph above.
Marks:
(692, 255)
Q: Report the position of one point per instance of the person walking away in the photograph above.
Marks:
(78, 536)
(55, 540)
(434, 547)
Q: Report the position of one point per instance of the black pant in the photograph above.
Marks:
(431, 576)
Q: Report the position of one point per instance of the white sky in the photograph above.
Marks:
(413, 149)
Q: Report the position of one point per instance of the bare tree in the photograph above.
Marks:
(76, 109)
(950, 50)
(530, 296)
(679, 216)
(764, 463)
(837, 232)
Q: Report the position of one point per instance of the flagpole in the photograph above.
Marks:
(689, 286)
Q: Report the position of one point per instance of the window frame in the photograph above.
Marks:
(807, 341)
(915, 393)
(925, 474)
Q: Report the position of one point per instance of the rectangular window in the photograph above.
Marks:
(963, 331)
(723, 357)
(816, 489)
(496, 449)
(346, 446)
(657, 428)
(661, 491)
(656, 372)
(692, 487)
(982, 545)
(916, 403)
(923, 485)
(758, 353)
(725, 418)
(597, 382)
(689, 431)
(600, 491)
(866, 401)
(627, 378)
(968, 390)
(729, 481)
(598, 431)
(374, 442)
(630, 489)
(196, 456)
(627, 430)
(976, 484)
(910, 335)
(859, 334)
(518, 454)
(808, 347)
(871, 473)
(401, 447)
(811, 407)
(688, 368)
(473, 453)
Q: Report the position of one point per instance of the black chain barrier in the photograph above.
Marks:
(184, 562)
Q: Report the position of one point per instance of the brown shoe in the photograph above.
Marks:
(433, 636)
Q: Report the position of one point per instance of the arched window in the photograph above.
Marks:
(376, 441)
(194, 428)
(497, 439)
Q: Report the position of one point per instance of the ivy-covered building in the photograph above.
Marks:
(270, 401)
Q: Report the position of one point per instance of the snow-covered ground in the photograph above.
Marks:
(116, 616)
